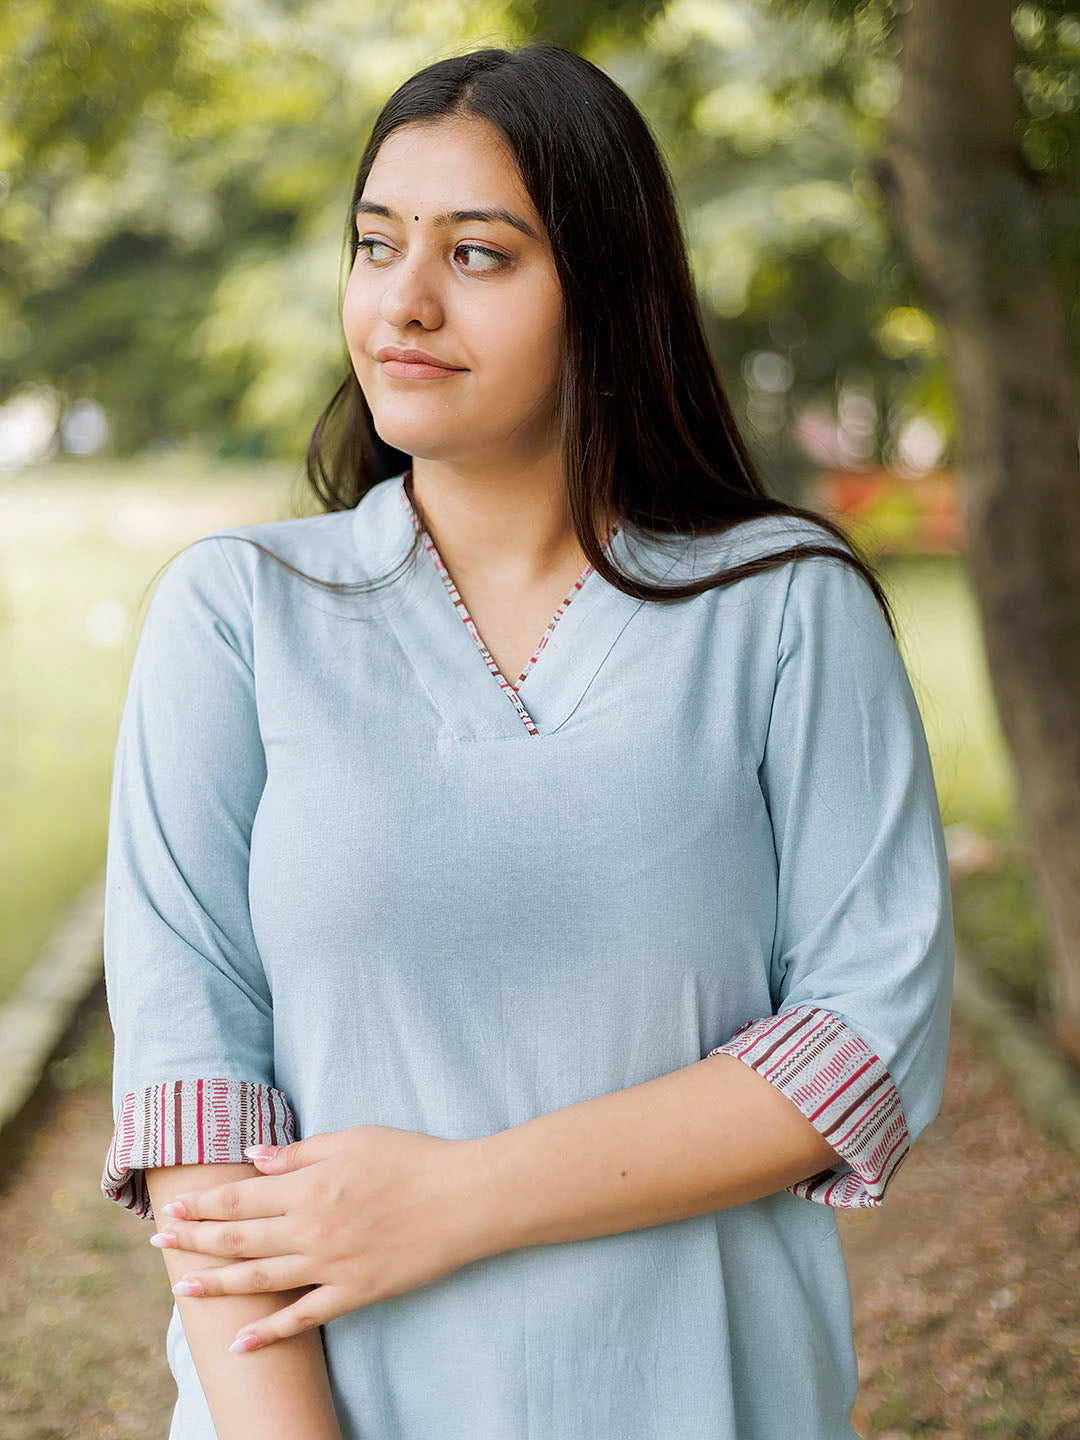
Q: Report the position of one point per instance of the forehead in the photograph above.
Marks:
(449, 163)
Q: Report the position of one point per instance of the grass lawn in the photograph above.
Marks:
(80, 547)
(997, 915)
(941, 641)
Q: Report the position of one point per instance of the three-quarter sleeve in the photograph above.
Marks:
(193, 1064)
(862, 960)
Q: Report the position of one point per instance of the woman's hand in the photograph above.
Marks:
(358, 1215)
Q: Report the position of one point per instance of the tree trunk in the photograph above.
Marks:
(972, 216)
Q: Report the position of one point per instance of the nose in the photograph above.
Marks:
(410, 294)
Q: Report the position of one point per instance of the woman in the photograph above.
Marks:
(567, 895)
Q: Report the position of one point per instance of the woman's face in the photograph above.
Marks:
(478, 294)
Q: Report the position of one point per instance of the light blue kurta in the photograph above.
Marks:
(345, 878)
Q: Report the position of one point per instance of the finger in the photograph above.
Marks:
(236, 1200)
(282, 1158)
(318, 1306)
(250, 1277)
(245, 1239)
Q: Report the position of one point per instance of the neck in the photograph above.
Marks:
(496, 537)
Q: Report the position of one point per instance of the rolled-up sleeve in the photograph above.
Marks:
(862, 961)
(190, 1003)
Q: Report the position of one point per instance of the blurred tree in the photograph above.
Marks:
(981, 213)
(173, 185)
(981, 170)
(182, 266)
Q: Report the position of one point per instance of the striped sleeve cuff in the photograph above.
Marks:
(842, 1088)
(189, 1122)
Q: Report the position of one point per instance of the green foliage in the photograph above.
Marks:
(74, 595)
(174, 178)
(998, 919)
(77, 75)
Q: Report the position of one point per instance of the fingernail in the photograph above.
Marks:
(259, 1152)
(163, 1239)
(175, 1209)
(244, 1342)
(187, 1287)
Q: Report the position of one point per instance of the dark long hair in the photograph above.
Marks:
(647, 432)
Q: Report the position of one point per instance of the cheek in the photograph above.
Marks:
(535, 367)
(526, 344)
(358, 309)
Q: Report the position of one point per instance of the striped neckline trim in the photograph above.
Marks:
(510, 689)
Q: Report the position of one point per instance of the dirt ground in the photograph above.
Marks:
(965, 1283)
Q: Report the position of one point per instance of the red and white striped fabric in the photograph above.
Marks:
(815, 1058)
(189, 1122)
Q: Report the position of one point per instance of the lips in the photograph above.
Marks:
(414, 357)
(409, 370)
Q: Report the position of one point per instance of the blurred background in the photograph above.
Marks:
(882, 202)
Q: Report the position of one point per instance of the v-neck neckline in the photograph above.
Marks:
(510, 688)
(446, 651)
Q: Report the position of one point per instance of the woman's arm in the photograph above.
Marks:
(283, 1390)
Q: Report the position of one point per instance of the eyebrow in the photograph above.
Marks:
(492, 215)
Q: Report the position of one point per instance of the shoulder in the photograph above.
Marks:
(801, 581)
(321, 544)
(823, 580)
(221, 570)
(832, 622)
(208, 588)
(760, 536)
(818, 606)
(753, 539)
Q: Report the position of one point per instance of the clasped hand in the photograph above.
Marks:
(358, 1215)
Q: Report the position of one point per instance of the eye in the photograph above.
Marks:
(480, 250)
(368, 242)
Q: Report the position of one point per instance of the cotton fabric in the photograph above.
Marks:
(355, 876)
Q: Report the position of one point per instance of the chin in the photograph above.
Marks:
(414, 440)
